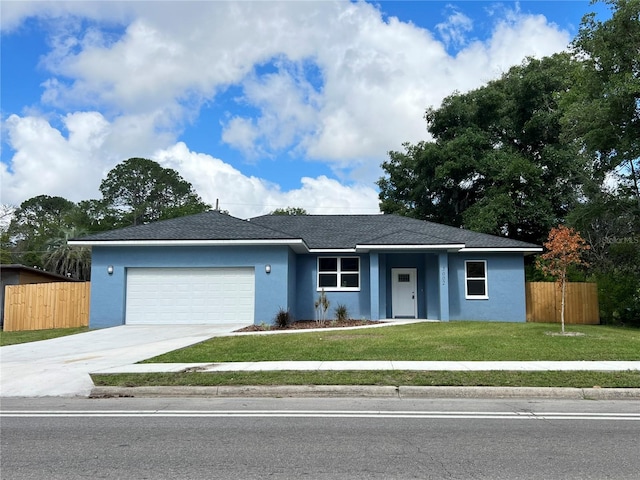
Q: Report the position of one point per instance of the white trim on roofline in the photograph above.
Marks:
(366, 248)
(295, 244)
(332, 250)
(501, 249)
(298, 245)
(451, 246)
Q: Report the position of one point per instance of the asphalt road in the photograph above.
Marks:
(329, 438)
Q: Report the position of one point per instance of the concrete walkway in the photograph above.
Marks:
(537, 366)
(277, 391)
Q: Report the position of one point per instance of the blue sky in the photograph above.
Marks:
(258, 104)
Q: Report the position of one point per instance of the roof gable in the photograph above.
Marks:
(406, 237)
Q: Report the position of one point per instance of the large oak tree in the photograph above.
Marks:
(497, 162)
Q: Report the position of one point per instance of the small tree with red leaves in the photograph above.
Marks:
(564, 247)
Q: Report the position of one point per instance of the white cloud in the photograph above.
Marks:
(72, 166)
(15, 12)
(246, 196)
(290, 101)
(521, 36)
(158, 59)
(369, 85)
(378, 79)
(241, 133)
(70, 161)
(454, 30)
(46, 162)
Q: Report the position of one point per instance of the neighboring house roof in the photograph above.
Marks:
(16, 268)
(306, 233)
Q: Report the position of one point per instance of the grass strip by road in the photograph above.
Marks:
(579, 379)
(13, 338)
(447, 341)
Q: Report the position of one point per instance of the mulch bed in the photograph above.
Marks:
(305, 324)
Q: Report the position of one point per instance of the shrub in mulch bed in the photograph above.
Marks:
(306, 324)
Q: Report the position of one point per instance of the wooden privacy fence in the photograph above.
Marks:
(42, 306)
(544, 303)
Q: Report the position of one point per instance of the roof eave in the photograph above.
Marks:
(297, 245)
(438, 246)
(332, 250)
(501, 250)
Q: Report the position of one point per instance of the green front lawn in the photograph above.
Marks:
(455, 341)
(12, 338)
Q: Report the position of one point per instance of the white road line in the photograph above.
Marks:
(322, 414)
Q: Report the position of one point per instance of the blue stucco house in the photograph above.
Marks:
(215, 268)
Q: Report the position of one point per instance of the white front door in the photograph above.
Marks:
(404, 295)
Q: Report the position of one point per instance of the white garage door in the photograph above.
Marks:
(190, 295)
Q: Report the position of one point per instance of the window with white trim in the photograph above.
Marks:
(475, 279)
(339, 273)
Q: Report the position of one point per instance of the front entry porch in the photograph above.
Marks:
(409, 285)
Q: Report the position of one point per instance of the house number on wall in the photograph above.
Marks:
(443, 275)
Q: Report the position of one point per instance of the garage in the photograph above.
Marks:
(172, 296)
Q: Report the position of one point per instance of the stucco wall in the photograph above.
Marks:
(432, 293)
(505, 285)
(505, 272)
(108, 292)
(292, 283)
(358, 303)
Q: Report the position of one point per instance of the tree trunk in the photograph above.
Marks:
(635, 182)
(564, 286)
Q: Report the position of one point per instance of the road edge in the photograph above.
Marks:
(370, 391)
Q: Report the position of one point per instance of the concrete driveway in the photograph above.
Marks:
(61, 366)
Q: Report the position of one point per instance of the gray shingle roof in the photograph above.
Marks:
(347, 231)
(211, 225)
(317, 231)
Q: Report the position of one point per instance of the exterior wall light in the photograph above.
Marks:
(267, 268)
(110, 269)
